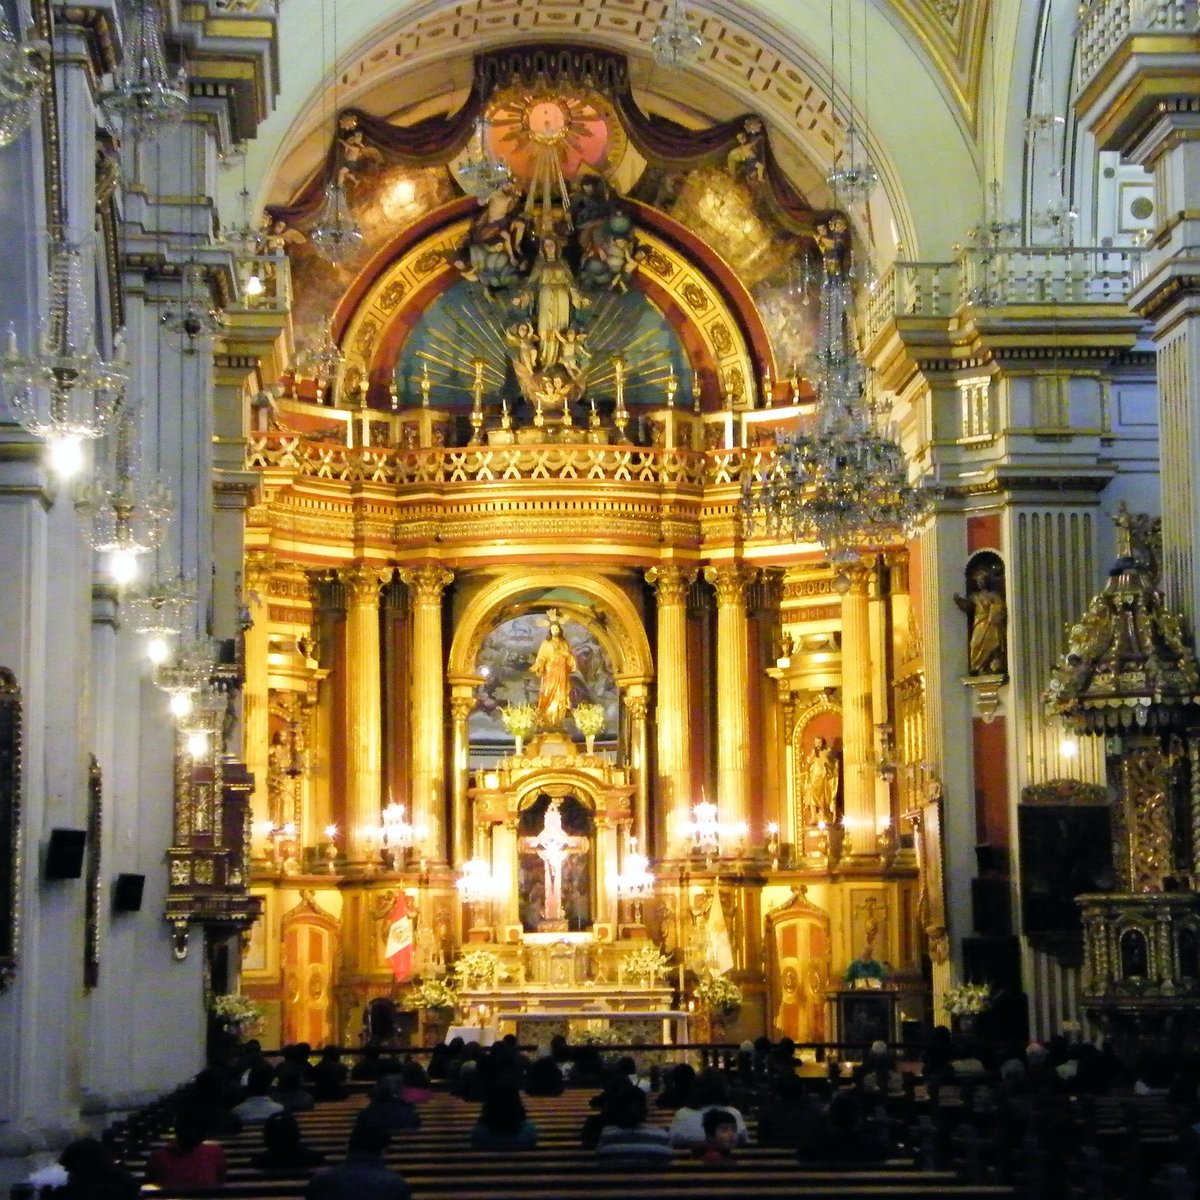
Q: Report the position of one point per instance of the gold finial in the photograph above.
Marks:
(672, 386)
(425, 385)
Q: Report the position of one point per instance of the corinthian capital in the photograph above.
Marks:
(362, 584)
(671, 581)
(730, 581)
(427, 582)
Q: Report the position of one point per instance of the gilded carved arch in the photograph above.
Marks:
(623, 635)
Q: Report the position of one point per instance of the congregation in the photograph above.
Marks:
(1062, 1119)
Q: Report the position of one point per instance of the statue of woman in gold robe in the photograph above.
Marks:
(554, 665)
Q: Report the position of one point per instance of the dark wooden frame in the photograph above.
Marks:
(91, 872)
(10, 824)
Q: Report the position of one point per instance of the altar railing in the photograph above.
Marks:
(1104, 24)
(397, 467)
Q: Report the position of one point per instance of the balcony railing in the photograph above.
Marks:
(1104, 24)
(1002, 276)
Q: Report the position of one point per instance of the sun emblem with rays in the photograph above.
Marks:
(548, 135)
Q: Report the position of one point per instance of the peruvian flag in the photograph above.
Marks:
(399, 950)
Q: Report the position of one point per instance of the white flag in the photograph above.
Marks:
(720, 951)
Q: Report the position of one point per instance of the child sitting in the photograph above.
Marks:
(720, 1137)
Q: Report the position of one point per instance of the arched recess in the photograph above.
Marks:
(622, 634)
(698, 294)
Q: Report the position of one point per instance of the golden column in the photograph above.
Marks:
(858, 777)
(462, 705)
(733, 726)
(671, 583)
(364, 715)
(256, 695)
(426, 584)
(635, 706)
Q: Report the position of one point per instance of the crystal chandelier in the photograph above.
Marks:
(676, 44)
(475, 884)
(335, 235)
(145, 96)
(398, 834)
(183, 676)
(82, 390)
(843, 484)
(204, 723)
(321, 361)
(195, 316)
(129, 516)
(161, 611)
(704, 829)
(481, 172)
(24, 77)
(853, 182)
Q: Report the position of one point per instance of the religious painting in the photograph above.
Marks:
(1066, 851)
(555, 840)
(798, 949)
(505, 661)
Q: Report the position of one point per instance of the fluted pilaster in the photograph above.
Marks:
(256, 688)
(671, 583)
(857, 718)
(462, 834)
(364, 715)
(733, 726)
(426, 584)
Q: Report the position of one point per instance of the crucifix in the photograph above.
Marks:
(552, 845)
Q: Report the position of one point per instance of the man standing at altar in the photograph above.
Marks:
(554, 665)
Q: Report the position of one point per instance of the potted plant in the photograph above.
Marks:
(645, 965)
(720, 999)
(477, 969)
(437, 1000)
(589, 720)
(235, 1014)
(521, 720)
(964, 1002)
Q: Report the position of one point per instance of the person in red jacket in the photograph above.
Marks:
(189, 1161)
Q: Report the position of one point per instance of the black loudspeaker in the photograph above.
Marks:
(64, 853)
(991, 906)
(127, 893)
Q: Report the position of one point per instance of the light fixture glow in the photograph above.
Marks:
(157, 650)
(255, 285)
(1068, 747)
(64, 455)
(180, 704)
(122, 566)
(197, 743)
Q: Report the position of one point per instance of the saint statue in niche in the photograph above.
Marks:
(821, 777)
(554, 665)
(987, 652)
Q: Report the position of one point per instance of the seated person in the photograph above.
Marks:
(387, 1106)
(189, 1161)
(258, 1105)
(678, 1088)
(720, 1137)
(709, 1091)
(627, 1141)
(283, 1150)
(92, 1174)
(544, 1077)
(329, 1075)
(503, 1124)
(788, 1114)
(866, 970)
(845, 1139)
(362, 1173)
(414, 1083)
(290, 1090)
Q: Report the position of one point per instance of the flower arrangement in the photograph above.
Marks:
(718, 995)
(590, 719)
(520, 720)
(432, 994)
(236, 1012)
(646, 962)
(967, 999)
(477, 968)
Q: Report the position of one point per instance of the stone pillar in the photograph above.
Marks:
(635, 706)
(858, 784)
(504, 872)
(364, 720)
(462, 833)
(733, 727)
(426, 585)
(672, 714)
(255, 689)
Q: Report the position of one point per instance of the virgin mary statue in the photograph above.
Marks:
(554, 666)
